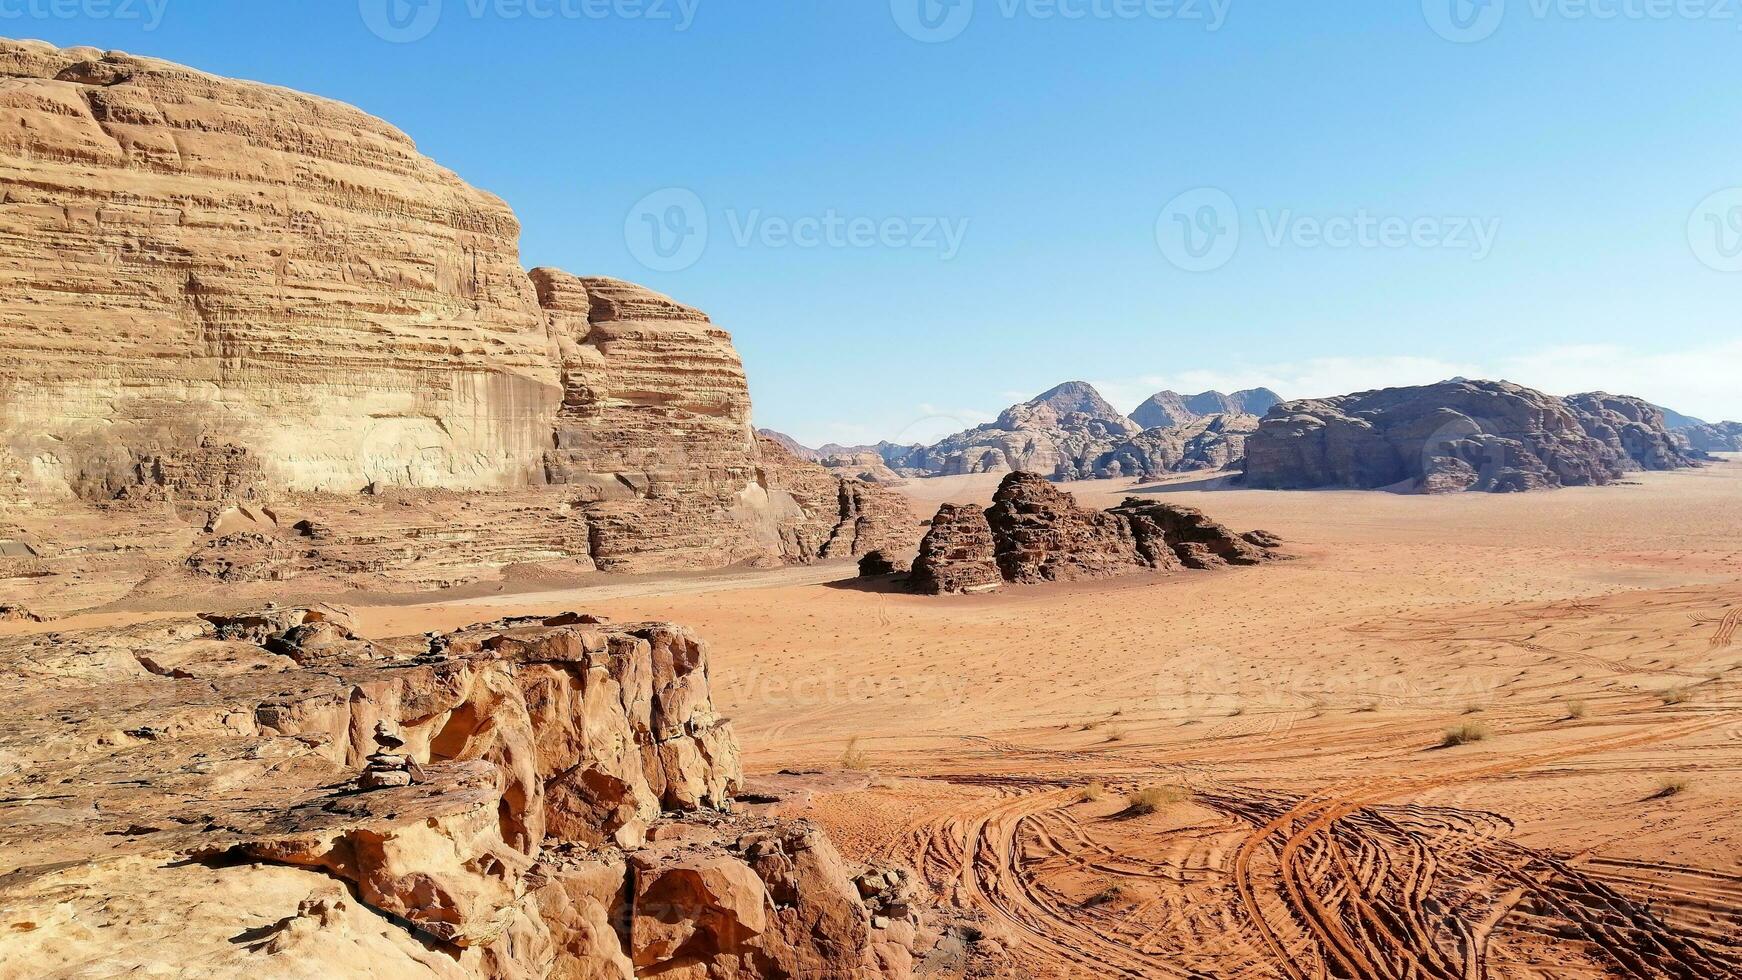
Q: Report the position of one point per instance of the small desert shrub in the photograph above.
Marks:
(1464, 735)
(1149, 799)
(1577, 710)
(1092, 793)
(1677, 695)
(1673, 786)
(1474, 709)
(1367, 709)
(855, 758)
(1112, 893)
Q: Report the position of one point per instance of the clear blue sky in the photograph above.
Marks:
(1586, 146)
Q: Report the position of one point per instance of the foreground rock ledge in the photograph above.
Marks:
(556, 800)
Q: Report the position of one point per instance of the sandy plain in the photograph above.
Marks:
(1288, 722)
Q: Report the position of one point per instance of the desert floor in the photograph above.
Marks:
(1289, 722)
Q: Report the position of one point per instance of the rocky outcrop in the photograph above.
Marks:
(1059, 434)
(1719, 437)
(1035, 532)
(1170, 409)
(226, 298)
(1039, 534)
(958, 554)
(1211, 442)
(270, 794)
(1457, 436)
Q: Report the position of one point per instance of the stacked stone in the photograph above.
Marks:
(388, 767)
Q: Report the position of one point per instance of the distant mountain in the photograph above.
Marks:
(791, 445)
(1676, 420)
(1059, 434)
(1456, 436)
(1718, 437)
(1169, 409)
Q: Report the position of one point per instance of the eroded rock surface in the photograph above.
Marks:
(294, 800)
(1035, 532)
(1210, 442)
(228, 311)
(1458, 436)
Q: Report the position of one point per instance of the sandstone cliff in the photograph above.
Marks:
(268, 794)
(1456, 436)
(227, 308)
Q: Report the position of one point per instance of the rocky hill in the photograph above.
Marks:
(1210, 442)
(1059, 434)
(1169, 409)
(221, 294)
(1459, 435)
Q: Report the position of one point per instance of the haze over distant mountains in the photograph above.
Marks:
(1517, 438)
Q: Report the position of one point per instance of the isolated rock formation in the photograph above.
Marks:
(1457, 436)
(236, 307)
(271, 795)
(958, 554)
(1170, 409)
(1211, 442)
(1034, 532)
(1059, 434)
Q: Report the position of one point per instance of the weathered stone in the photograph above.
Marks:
(1456, 436)
(957, 554)
(1211, 442)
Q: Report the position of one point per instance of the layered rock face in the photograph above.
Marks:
(245, 283)
(1719, 437)
(1211, 442)
(218, 295)
(1060, 434)
(1457, 436)
(1035, 532)
(269, 794)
